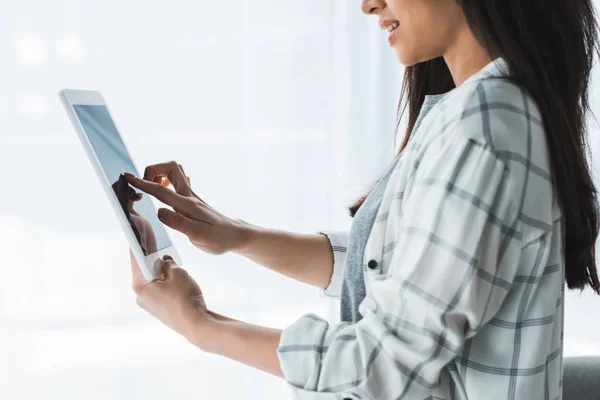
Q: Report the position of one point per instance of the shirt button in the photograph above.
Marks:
(372, 264)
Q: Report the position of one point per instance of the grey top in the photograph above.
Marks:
(353, 287)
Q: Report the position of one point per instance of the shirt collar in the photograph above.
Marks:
(495, 69)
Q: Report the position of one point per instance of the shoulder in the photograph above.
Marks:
(501, 116)
(496, 113)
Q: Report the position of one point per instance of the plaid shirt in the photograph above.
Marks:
(464, 267)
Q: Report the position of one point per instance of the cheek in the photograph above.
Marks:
(409, 44)
(418, 40)
(426, 28)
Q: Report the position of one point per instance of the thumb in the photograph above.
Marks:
(138, 279)
(176, 221)
(166, 265)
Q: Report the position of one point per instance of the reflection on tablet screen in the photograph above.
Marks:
(115, 160)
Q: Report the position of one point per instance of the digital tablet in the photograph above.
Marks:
(106, 149)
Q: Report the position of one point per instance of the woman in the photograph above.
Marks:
(452, 276)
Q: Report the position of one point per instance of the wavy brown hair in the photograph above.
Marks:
(550, 47)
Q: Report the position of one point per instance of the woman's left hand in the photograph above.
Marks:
(177, 301)
(174, 298)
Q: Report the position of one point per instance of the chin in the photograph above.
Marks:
(406, 58)
(410, 58)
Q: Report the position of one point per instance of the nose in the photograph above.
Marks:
(370, 7)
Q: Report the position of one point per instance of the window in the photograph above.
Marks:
(239, 93)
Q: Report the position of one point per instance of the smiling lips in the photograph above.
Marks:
(391, 26)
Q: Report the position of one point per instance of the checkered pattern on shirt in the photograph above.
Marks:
(470, 305)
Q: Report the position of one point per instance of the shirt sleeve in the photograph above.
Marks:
(338, 241)
(457, 252)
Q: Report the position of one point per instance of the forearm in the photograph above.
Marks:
(306, 258)
(252, 345)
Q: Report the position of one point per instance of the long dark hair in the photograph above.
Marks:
(550, 47)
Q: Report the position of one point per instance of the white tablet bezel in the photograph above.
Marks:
(148, 264)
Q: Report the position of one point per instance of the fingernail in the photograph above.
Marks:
(163, 214)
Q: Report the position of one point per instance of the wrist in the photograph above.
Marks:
(244, 232)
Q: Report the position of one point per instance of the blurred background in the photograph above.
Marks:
(282, 112)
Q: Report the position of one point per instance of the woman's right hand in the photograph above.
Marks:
(206, 228)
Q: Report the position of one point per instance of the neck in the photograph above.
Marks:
(465, 57)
